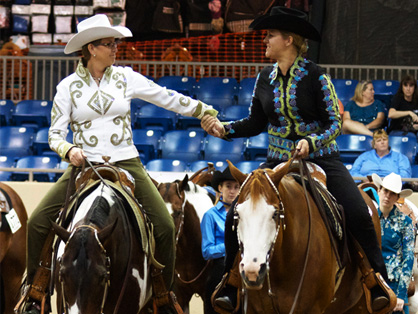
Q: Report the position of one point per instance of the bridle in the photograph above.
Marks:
(180, 229)
(278, 216)
(107, 258)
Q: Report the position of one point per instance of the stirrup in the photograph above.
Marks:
(373, 279)
(225, 280)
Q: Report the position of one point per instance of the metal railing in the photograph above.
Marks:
(36, 77)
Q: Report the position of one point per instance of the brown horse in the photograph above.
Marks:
(284, 242)
(187, 202)
(102, 266)
(12, 249)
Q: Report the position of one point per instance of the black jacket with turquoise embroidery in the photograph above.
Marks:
(300, 105)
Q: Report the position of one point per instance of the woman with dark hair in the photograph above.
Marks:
(296, 101)
(403, 111)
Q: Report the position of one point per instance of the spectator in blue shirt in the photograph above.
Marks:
(381, 160)
(363, 113)
(397, 237)
(213, 230)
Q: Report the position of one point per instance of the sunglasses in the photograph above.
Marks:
(111, 45)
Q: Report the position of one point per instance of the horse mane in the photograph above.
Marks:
(100, 212)
(258, 185)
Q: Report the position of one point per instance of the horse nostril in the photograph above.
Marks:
(263, 268)
(255, 259)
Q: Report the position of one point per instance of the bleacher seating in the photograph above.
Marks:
(248, 166)
(42, 162)
(245, 92)
(16, 141)
(63, 166)
(257, 147)
(352, 145)
(182, 84)
(33, 113)
(414, 169)
(236, 112)
(219, 92)
(153, 117)
(405, 145)
(384, 91)
(136, 104)
(147, 143)
(344, 89)
(41, 144)
(182, 144)
(7, 108)
(6, 162)
(200, 164)
(167, 165)
(219, 149)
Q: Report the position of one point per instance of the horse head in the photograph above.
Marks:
(258, 215)
(84, 266)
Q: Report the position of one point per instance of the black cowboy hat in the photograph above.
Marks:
(287, 19)
(219, 177)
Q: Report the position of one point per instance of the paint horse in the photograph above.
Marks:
(12, 247)
(287, 261)
(187, 202)
(103, 262)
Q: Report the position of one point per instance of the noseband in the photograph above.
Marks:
(103, 251)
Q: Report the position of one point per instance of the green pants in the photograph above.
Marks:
(147, 195)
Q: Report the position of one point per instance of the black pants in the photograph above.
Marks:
(358, 220)
(214, 278)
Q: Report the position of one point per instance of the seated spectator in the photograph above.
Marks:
(404, 108)
(381, 160)
(363, 114)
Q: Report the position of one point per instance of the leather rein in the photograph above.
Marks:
(278, 216)
(178, 232)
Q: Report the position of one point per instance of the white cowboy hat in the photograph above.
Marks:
(392, 182)
(94, 28)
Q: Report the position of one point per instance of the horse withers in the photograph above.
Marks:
(103, 263)
(287, 261)
(13, 228)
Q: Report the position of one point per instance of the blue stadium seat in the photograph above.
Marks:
(344, 89)
(199, 164)
(218, 91)
(167, 165)
(257, 147)
(414, 171)
(219, 149)
(352, 145)
(405, 145)
(136, 104)
(388, 87)
(41, 162)
(33, 113)
(182, 144)
(147, 143)
(7, 108)
(245, 92)
(6, 162)
(154, 117)
(248, 166)
(182, 84)
(236, 112)
(16, 141)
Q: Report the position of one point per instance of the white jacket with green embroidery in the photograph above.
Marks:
(100, 116)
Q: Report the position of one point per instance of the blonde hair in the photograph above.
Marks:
(360, 88)
(378, 134)
(300, 43)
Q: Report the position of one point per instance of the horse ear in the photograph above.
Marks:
(106, 231)
(61, 232)
(277, 175)
(238, 175)
(184, 183)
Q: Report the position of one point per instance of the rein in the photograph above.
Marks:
(181, 224)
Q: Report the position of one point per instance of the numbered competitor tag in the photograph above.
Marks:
(13, 220)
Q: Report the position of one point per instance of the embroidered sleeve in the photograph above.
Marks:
(169, 99)
(407, 260)
(330, 119)
(60, 117)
